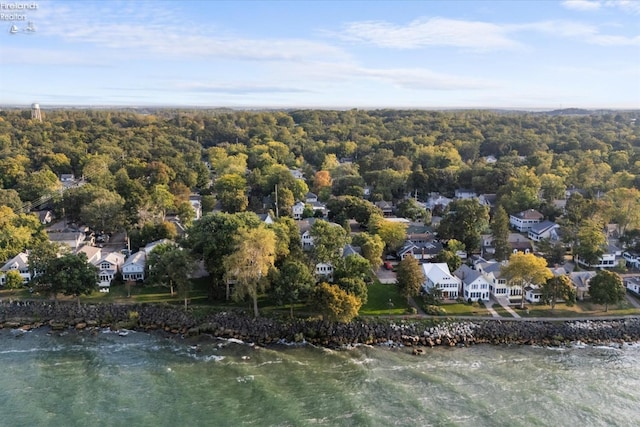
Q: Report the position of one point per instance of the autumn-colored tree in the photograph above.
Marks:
(247, 267)
(321, 180)
(525, 269)
(337, 304)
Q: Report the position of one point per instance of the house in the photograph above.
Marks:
(150, 246)
(580, 281)
(385, 207)
(133, 267)
(67, 177)
(435, 199)
(422, 251)
(632, 259)
(195, 200)
(544, 230)
(19, 263)
(108, 266)
(310, 197)
(465, 193)
(633, 284)
(488, 200)
(523, 221)
(490, 159)
(521, 244)
(532, 294)
(608, 259)
(45, 216)
(325, 270)
(92, 253)
(297, 211)
(266, 218)
(498, 286)
(72, 239)
(437, 275)
(319, 206)
(304, 226)
(297, 174)
(474, 286)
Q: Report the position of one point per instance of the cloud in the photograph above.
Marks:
(629, 6)
(587, 33)
(584, 5)
(429, 32)
(423, 79)
(238, 89)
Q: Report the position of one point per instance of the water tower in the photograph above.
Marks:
(35, 112)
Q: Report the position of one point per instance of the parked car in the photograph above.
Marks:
(388, 265)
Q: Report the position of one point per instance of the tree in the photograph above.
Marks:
(104, 214)
(606, 288)
(69, 274)
(500, 233)
(328, 241)
(10, 198)
(13, 280)
(553, 252)
(591, 243)
(18, 232)
(409, 277)
(464, 220)
(249, 264)
(450, 257)
(372, 247)
(393, 234)
(321, 180)
(410, 208)
(292, 282)
(172, 266)
(231, 191)
(525, 269)
(336, 304)
(558, 287)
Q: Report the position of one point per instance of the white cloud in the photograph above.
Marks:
(584, 5)
(423, 79)
(430, 32)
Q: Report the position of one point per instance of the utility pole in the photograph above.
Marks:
(277, 215)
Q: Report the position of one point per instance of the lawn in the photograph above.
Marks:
(384, 300)
(463, 309)
(580, 309)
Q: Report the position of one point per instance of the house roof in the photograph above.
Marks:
(20, 261)
(543, 227)
(114, 258)
(467, 274)
(89, 251)
(438, 273)
(351, 250)
(310, 195)
(383, 204)
(529, 214)
(139, 257)
(149, 247)
(580, 279)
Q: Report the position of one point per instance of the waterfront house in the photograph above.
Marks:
(108, 266)
(633, 284)
(474, 285)
(437, 275)
(19, 263)
(133, 267)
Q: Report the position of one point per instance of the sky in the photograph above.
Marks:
(321, 54)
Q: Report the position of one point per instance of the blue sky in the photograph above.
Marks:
(334, 54)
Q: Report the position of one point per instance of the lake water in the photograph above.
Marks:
(148, 380)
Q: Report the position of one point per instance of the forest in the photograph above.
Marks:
(141, 167)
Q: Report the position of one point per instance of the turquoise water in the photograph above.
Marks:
(147, 380)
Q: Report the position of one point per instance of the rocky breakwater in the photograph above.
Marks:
(416, 333)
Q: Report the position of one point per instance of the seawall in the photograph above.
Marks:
(265, 331)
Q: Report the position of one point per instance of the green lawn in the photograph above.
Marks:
(463, 309)
(378, 301)
(501, 311)
(580, 309)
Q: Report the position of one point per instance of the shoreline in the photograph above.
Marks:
(408, 332)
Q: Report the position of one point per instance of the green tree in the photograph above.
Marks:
(464, 220)
(69, 274)
(372, 247)
(249, 264)
(558, 287)
(354, 286)
(410, 208)
(553, 252)
(525, 269)
(171, 266)
(393, 234)
(328, 241)
(13, 280)
(591, 243)
(18, 232)
(231, 191)
(409, 277)
(500, 233)
(292, 282)
(10, 198)
(520, 192)
(105, 213)
(449, 257)
(336, 304)
(606, 288)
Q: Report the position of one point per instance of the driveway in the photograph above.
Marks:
(386, 276)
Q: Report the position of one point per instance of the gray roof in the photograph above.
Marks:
(467, 274)
(543, 226)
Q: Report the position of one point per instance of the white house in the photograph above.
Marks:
(465, 193)
(266, 218)
(523, 221)
(195, 200)
(425, 250)
(438, 275)
(609, 259)
(19, 263)
(297, 210)
(73, 239)
(92, 253)
(532, 293)
(474, 285)
(108, 266)
(544, 230)
(310, 197)
(632, 259)
(633, 284)
(133, 267)
(497, 285)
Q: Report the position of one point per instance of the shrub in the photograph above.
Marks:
(435, 310)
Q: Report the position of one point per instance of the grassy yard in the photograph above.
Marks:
(378, 301)
(580, 309)
(463, 309)
(501, 311)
